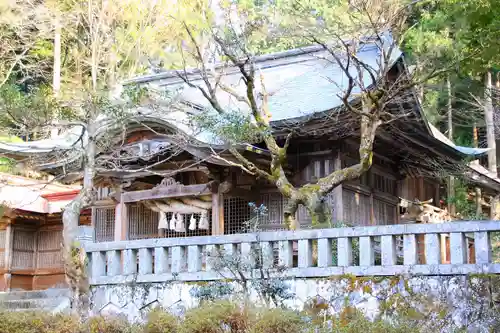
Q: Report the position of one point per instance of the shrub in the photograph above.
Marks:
(218, 317)
(352, 320)
(110, 325)
(38, 322)
(279, 321)
(161, 322)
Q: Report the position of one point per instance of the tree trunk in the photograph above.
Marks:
(56, 75)
(490, 136)
(490, 124)
(451, 181)
(478, 195)
(289, 214)
(74, 257)
(318, 209)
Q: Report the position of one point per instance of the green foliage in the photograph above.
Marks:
(160, 321)
(463, 205)
(352, 320)
(38, 322)
(26, 112)
(217, 317)
(278, 321)
(110, 325)
(463, 34)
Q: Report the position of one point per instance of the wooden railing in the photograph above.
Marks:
(321, 253)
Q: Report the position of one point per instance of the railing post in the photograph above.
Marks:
(458, 248)
(145, 261)
(482, 246)
(194, 258)
(129, 262)
(210, 258)
(388, 249)
(366, 251)
(432, 249)
(98, 263)
(305, 253)
(178, 259)
(410, 250)
(230, 249)
(324, 252)
(248, 254)
(114, 262)
(286, 253)
(267, 254)
(161, 260)
(344, 251)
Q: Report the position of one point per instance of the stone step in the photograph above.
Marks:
(52, 300)
(35, 294)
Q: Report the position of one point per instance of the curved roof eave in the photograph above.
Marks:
(467, 151)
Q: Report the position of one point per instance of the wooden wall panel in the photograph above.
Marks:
(49, 249)
(24, 282)
(23, 249)
(3, 282)
(357, 208)
(41, 282)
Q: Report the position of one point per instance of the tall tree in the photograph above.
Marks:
(101, 43)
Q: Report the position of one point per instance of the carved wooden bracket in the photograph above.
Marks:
(168, 181)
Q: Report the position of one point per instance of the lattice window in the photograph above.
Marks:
(23, 249)
(143, 223)
(236, 213)
(104, 223)
(49, 254)
(3, 241)
(275, 204)
(356, 208)
(384, 184)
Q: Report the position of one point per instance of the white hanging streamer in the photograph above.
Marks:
(162, 221)
(173, 222)
(180, 226)
(192, 223)
(203, 224)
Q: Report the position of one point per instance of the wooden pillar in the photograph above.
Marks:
(9, 237)
(35, 259)
(421, 189)
(217, 211)
(444, 248)
(121, 221)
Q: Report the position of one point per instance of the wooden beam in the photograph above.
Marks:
(173, 191)
(243, 193)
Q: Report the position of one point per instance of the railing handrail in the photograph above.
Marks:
(274, 236)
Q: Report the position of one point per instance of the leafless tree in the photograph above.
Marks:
(372, 96)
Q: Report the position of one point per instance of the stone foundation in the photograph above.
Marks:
(463, 301)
